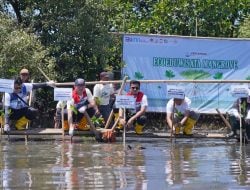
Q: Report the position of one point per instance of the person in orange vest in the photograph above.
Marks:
(82, 100)
(135, 116)
(180, 116)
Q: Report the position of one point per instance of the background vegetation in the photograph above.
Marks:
(80, 38)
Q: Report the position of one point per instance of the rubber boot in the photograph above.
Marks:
(138, 129)
(188, 126)
(83, 125)
(21, 123)
(119, 126)
(177, 129)
(1, 121)
(66, 125)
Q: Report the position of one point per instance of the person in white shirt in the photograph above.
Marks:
(102, 94)
(16, 106)
(179, 115)
(240, 109)
(82, 100)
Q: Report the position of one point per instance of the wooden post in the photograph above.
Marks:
(240, 123)
(30, 101)
(43, 73)
(62, 119)
(224, 119)
(172, 127)
(112, 111)
(92, 126)
(2, 117)
(124, 129)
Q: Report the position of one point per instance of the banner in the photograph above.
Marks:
(149, 57)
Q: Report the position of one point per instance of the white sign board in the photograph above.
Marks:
(6, 85)
(175, 92)
(123, 101)
(239, 91)
(62, 94)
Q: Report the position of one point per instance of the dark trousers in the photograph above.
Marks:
(235, 123)
(28, 112)
(140, 120)
(77, 117)
(105, 111)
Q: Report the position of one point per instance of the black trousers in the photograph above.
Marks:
(77, 117)
(28, 112)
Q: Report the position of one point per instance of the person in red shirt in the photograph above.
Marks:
(135, 116)
(82, 100)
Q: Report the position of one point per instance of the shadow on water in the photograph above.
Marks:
(43, 163)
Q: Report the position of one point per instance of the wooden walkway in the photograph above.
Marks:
(52, 131)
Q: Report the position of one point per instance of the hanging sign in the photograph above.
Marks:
(175, 92)
(62, 94)
(123, 101)
(239, 91)
(6, 85)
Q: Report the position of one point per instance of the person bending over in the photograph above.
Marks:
(135, 116)
(16, 106)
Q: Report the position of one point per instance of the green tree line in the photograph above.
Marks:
(80, 38)
(71, 38)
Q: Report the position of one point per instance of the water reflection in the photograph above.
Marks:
(145, 164)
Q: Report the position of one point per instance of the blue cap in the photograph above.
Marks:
(79, 81)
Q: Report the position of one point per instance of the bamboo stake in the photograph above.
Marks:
(30, 101)
(62, 116)
(43, 73)
(240, 124)
(112, 111)
(2, 117)
(172, 127)
(224, 119)
(124, 129)
(92, 126)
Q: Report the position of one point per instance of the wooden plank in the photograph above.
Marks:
(53, 131)
(45, 131)
(168, 135)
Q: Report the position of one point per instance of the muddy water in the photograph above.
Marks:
(141, 164)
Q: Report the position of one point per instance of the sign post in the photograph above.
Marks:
(124, 102)
(62, 94)
(6, 86)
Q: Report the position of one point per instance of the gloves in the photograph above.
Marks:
(82, 109)
(51, 84)
(6, 128)
(81, 103)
